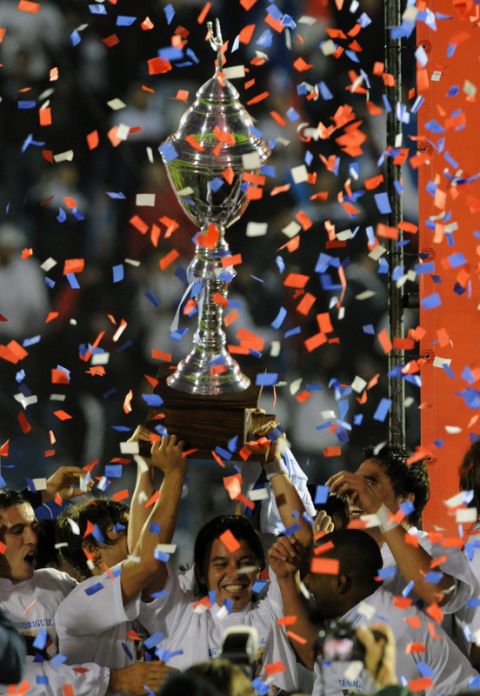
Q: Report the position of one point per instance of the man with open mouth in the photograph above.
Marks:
(30, 598)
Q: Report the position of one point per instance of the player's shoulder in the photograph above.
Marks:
(53, 579)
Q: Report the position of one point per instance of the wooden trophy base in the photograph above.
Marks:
(206, 422)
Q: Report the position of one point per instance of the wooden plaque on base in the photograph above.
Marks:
(207, 422)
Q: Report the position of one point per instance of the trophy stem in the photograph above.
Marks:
(209, 369)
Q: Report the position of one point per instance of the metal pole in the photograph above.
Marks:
(393, 65)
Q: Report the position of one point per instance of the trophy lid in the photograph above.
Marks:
(217, 131)
(221, 130)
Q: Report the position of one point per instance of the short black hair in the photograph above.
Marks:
(356, 551)
(101, 512)
(10, 497)
(470, 473)
(406, 478)
(241, 528)
(188, 684)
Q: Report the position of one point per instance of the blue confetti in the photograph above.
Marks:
(152, 400)
(279, 319)
(40, 640)
(431, 301)
(150, 295)
(321, 495)
(168, 152)
(382, 410)
(225, 454)
(58, 660)
(266, 379)
(383, 204)
(73, 282)
(125, 21)
(97, 9)
(169, 12)
(113, 470)
(152, 641)
(118, 273)
(75, 37)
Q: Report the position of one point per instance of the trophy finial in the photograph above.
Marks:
(216, 41)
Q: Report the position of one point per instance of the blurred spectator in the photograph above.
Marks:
(12, 652)
(221, 676)
(23, 293)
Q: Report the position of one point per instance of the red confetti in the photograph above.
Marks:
(229, 541)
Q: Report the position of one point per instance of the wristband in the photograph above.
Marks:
(273, 468)
(384, 522)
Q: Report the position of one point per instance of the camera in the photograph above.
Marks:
(240, 646)
(337, 642)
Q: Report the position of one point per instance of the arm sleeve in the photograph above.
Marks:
(12, 652)
(270, 521)
(166, 611)
(466, 584)
(45, 680)
(94, 606)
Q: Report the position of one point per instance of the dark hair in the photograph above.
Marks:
(188, 684)
(241, 528)
(47, 553)
(405, 478)
(469, 472)
(9, 498)
(224, 676)
(101, 512)
(356, 551)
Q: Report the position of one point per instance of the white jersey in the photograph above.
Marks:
(455, 565)
(93, 624)
(471, 615)
(435, 653)
(31, 605)
(193, 633)
(270, 520)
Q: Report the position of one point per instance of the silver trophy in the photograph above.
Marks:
(216, 142)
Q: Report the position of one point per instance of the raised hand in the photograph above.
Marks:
(323, 524)
(379, 659)
(139, 678)
(360, 491)
(167, 454)
(65, 482)
(286, 556)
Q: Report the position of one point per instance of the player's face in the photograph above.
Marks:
(375, 476)
(18, 531)
(322, 591)
(108, 555)
(231, 575)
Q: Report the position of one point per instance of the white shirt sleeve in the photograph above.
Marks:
(168, 609)
(270, 521)
(46, 680)
(466, 585)
(94, 606)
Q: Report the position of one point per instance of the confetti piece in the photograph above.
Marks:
(27, 6)
(246, 34)
(229, 541)
(92, 140)
(325, 566)
(62, 415)
(203, 14)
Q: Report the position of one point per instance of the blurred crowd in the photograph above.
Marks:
(65, 197)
